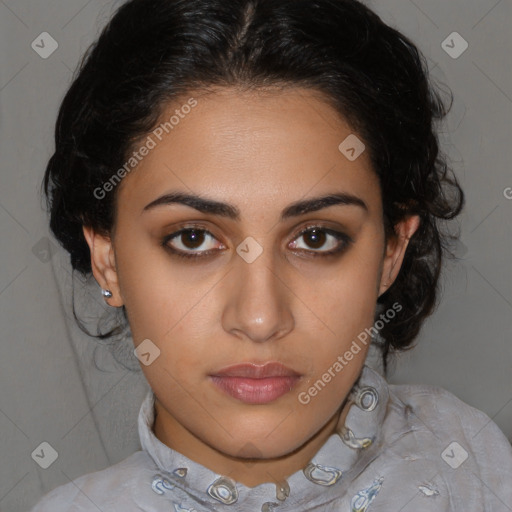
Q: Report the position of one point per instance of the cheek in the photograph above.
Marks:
(345, 296)
(346, 306)
(170, 303)
(150, 289)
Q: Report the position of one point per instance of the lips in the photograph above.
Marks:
(256, 384)
(255, 371)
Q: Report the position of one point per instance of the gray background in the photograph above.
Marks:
(51, 390)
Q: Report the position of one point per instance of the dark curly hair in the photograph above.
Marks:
(154, 51)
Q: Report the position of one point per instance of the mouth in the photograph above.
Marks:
(256, 384)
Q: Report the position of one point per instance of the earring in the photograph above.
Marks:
(106, 293)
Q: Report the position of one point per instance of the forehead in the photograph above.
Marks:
(256, 148)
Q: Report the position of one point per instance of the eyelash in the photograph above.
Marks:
(345, 242)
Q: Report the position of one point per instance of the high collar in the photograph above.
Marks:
(342, 458)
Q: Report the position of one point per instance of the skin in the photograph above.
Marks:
(259, 151)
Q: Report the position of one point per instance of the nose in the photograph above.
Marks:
(258, 307)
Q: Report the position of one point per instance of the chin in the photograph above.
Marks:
(258, 445)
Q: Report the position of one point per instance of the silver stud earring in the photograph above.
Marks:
(106, 293)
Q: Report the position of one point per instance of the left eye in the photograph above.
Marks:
(318, 237)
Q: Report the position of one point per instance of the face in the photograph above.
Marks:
(249, 275)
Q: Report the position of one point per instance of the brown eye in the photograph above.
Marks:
(317, 237)
(186, 242)
(192, 238)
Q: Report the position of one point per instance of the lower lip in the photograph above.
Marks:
(255, 391)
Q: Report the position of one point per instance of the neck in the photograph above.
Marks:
(250, 472)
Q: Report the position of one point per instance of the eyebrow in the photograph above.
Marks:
(229, 211)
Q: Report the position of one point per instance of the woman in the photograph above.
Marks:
(258, 186)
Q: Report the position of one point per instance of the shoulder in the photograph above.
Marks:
(112, 488)
(462, 443)
(443, 412)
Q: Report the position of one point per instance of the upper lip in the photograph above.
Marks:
(256, 371)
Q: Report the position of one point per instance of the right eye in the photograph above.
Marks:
(185, 242)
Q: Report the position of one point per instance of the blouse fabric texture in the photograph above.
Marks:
(401, 448)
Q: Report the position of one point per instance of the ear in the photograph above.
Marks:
(103, 264)
(395, 250)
